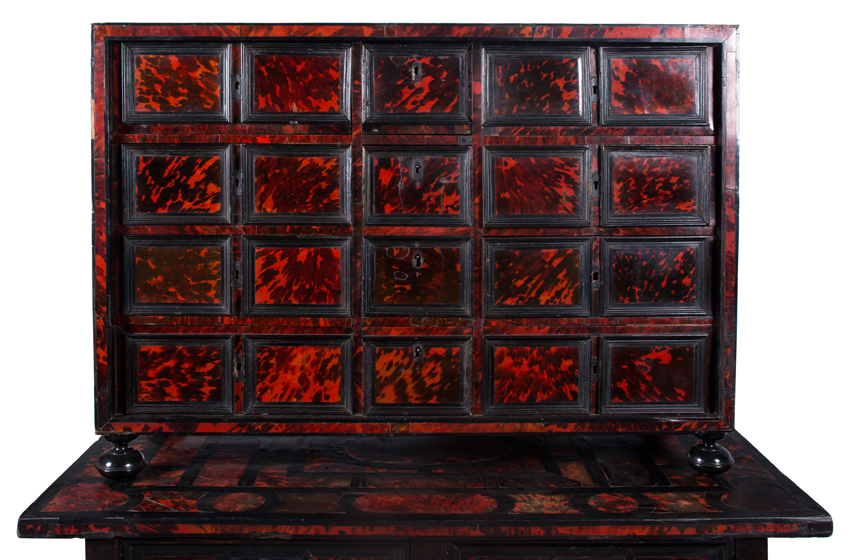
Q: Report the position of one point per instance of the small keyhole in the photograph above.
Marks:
(417, 352)
(415, 71)
(417, 169)
(594, 276)
(417, 260)
(595, 369)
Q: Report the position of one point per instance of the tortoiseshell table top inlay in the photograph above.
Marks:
(436, 486)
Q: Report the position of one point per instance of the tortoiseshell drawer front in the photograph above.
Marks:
(536, 277)
(536, 186)
(653, 374)
(178, 373)
(536, 86)
(297, 184)
(175, 83)
(417, 376)
(305, 374)
(656, 185)
(661, 86)
(418, 276)
(536, 375)
(418, 186)
(166, 275)
(168, 184)
(296, 83)
(297, 276)
(421, 84)
(655, 276)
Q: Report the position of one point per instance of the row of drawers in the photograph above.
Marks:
(417, 84)
(425, 375)
(416, 276)
(418, 186)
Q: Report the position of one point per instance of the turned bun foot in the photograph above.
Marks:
(709, 458)
(122, 461)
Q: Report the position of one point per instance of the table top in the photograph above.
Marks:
(581, 486)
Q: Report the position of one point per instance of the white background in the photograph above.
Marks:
(792, 391)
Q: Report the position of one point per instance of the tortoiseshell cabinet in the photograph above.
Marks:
(470, 233)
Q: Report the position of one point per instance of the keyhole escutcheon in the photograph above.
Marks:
(417, 260)
(416, 71)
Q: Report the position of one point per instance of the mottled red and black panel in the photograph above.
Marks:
(177, 372)
(421, 184)
(536, 276)
(536, 373)
(662, 275)
(655, 83)
(169, 182)
(163, 82)
(292, 82)
(417, 374)
(297, 184)
(172, 275)
(299, 373)
(654, 186)
(294, 275)
(653, 372)
(536, 83)
(411, 276)
(430, 81)
(521, 186)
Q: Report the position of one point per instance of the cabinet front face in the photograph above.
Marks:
(455, 229)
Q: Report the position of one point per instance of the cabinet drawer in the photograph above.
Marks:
(176, 373)
(535, 375)
(418, 186)
(296, 83)
(655, 276)
(537, 86)
(176, 184)
(297, 184)
(651, 375)
(656, 185)
(417, 376)
(177, 275)
(423, 84)
(560, 551)
(655, 86)
(297, 276)
(264, 549)
(298, 374)
(535, 186)
(536, 277)
(418, 276)
(174, 83)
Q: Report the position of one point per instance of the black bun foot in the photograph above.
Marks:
(709, 458)
(121, 461)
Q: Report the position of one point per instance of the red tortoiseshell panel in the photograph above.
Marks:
(660, 276)
(430, 377)
(537, 86)
(176, 185)
(418, 276)
(431, 83)
(298, 184)
(176, 275)
(179, 373)
(418, 186)
(536, 277)
(651, 186)
(304, 83)
(300, 277)
(176, 83)
(532, 187)
(285, 373)
(535, 375)
(655, 85)
(645, 374)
